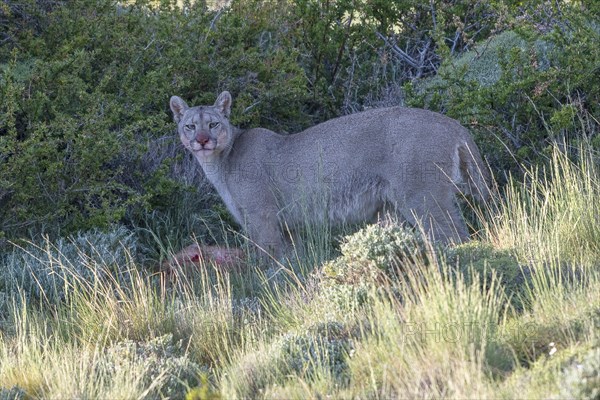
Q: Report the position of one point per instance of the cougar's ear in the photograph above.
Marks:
(223, 103)
(178, 106)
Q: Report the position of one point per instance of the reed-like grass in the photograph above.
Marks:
(554, 213)
(76, 323)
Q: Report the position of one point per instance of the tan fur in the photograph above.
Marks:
(408, 161)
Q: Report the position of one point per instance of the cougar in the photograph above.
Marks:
(407, 161)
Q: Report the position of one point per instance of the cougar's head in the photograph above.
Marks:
(204, 130)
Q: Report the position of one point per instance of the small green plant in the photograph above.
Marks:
(581, 380)
(375, 252)
(375, 256)
(166, 368)
(487, 261)
(203, 392)
(320, 350)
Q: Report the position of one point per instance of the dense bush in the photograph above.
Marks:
(79, 107)
(358, 53)
(377, 256)
(525, 89)
(489, 263)
(85, 136)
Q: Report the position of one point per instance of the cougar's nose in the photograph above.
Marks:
(202, 138)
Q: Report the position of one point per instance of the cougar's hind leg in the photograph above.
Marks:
(439, 216)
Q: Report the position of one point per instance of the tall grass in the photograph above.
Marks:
(550, 221)
(78, 323)
(439, 341)
(126, 335)
(554, 213)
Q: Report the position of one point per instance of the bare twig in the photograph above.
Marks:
(422, 54)
(213, 22)
(398, 51)
(455, 41)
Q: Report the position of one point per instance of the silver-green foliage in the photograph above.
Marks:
(483, 63)
(373, 255)
(14, 393)
(324, 345)
(582, 379)
(49, 270)
(374, 251)
(166, 369)
(318, 351)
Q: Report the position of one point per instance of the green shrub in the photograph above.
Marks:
(81, 100)
(525, 89)
(321, 349)
(376, 257)
(325, 345)
(167, 371)
(486, 261)
(50, 271)
(581, 380)
(357, 54)
(374, 253)
(85, 96)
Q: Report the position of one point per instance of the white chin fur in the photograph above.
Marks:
(204, 152)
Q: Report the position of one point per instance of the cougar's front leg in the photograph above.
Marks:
(265, 233)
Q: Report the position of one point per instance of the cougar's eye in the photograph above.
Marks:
(190, 127)
(213, 125)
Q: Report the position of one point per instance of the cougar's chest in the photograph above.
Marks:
(220, 179)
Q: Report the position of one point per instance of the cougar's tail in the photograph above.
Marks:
(474, 173)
